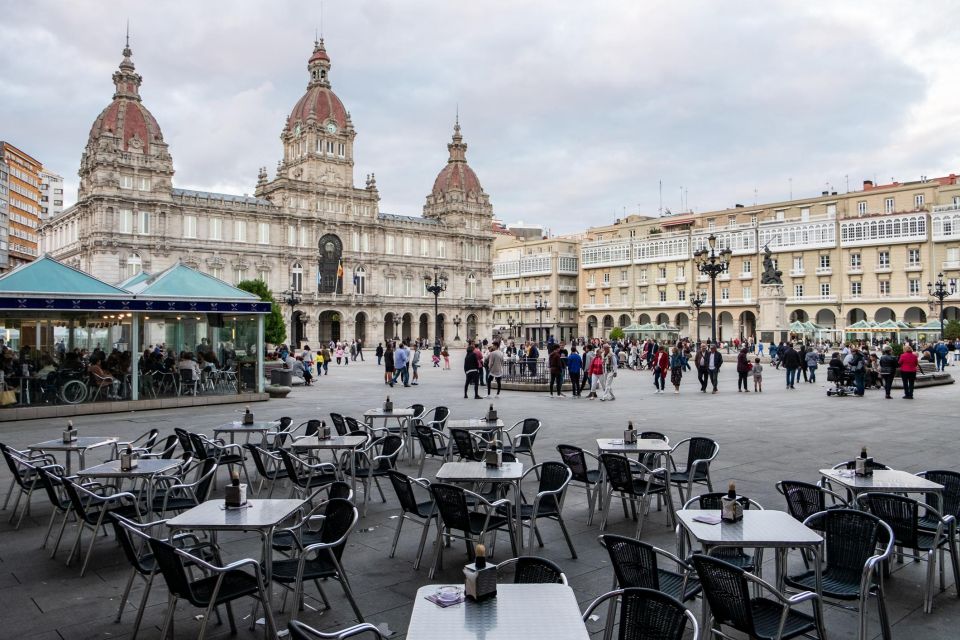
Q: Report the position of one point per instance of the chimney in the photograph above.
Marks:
(824, 193)
(738, 206)
(867, 185)
(833, 193)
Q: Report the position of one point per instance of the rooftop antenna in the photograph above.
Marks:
(754, 196)
(660, 186)
(791, 187)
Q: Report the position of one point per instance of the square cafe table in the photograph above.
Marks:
(235, 427)
(656, 446)
(78, 446)
(532, 611)
(758, 529)
(480, 425)
(145, 471)
(886, 480)
(509, 473)
(352, 443)
(402, 415)
(262, 516)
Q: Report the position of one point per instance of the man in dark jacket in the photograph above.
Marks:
(701, 363)
(713, 360)
(791, 361)
(859, 366)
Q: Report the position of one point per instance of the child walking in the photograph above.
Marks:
(757, 375)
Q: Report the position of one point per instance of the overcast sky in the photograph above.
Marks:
(573, 111)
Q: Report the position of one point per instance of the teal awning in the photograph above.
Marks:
(180, 281)
(132, 280)
(47, 275)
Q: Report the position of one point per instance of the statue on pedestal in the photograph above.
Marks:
(770, 275)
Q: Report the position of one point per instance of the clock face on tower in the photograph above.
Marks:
(331, 127)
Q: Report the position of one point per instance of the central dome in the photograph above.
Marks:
(126, 119)
(319, 102)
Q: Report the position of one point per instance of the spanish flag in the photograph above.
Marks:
(339, 288)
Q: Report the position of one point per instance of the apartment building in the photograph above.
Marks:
(51, 195)
(23, 203)
(4, 215)
(862, 255)
(535, 287)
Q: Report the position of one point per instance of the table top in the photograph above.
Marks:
(475, 424)
(480, 471)
(146, 467)
(336, 442)
(239, 427)
(260, 514)
(881, 479)
(648, 445)
(398, 412)
(759, 528)
(82, 442)
(534, 611)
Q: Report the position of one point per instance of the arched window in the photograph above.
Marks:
(296, 277)
(471, 286)
(133, 267)
(360, 281)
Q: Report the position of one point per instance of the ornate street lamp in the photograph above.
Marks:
(436, 287)
(697, 298)
(712, 263)
(396, 326)
(292, 297)
(510, 323)
(456, 323)
(939, 290)
(540, 304)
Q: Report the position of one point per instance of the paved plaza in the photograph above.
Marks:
(766, 437)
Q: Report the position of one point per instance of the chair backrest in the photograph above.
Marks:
(700, 448)
(78, 503)
(171, 566)
(352, 424)
(463, 441)
(13, 462)
(531, 426)
(440, 415)
(338, 424)
(451, 502)
(575, 459)
(715, 501)
(51, 479)
(618, 472)
(339, 489)
(390, 448)
(183, 436)
(311, 427)
(653, 614)
(168, 446)
(120, 525)
(403, 487)
(534, 570)
(300, 631)
(901, 513)
(554, 476)
(634, 562)
(199, 446)
(427, 441)
(803, 499)
(951, 490)
(207, 473)
(850, 538)
(150, 441)
(186, 376)
(257, 460)
(340, 517)
(292, 464)
(726, 590)
(284, 422)
(417, 414)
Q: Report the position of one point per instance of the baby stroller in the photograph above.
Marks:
(842, 380)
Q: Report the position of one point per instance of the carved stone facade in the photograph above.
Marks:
(308, 228)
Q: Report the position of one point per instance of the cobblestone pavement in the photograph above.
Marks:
(764, 437)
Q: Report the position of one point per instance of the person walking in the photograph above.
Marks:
(909, 363)
(471, 370)
(494, 366)
(588, 355)
(858, 365)
(401, 362)
(661, 364)
(554, 361)
(812, 361)
(713, 361)
(339, 353)
(574, 367)
(610, 366)
(415, 363)
(360, 349)
(379, 353)
(791, 361)
(325, 352)
(757, 374)
(888, 368)
(743, 369)
(677, 362)
(388, 365)
(446, 358)
(596, 374)
(700, 362)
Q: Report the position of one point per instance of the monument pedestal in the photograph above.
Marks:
(773, 321)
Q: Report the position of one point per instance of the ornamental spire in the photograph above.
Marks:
(457, 148)
(126, 79)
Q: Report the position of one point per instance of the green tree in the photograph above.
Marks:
(274, 328)
(616, 333)
(951, 330)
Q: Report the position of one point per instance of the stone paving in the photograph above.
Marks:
(764, 437)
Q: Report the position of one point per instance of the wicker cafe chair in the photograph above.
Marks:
(433, 443)
(726, 588)
(850, 569)
(422, 512)
(576, 459)
(372, 463)
(635, 565)
(700, 453)
(269, 466)
(805, 499)
(548, 503)
(468, 446)
(620, 479)
(92, 510)
(646, 614)
(533, 570)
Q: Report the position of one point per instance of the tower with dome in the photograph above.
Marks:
(301, 229)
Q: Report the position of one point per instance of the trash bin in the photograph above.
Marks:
(282, 377)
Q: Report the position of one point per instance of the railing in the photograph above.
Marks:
(824, 271)
(746, 275)
(955, 206)
(526, 371)
(951, 264)
(915, 266)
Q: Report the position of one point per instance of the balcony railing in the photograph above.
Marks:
(797, 273)
(824, 271)
(661, 281)
(916, 266)
(746, 275)
(855, 269)
(883, 268)
(951, 264)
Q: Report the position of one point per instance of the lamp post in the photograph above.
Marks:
(540, 304)
(939, 290)
(712, 263)
(697, 298)
(510, 323)
(292, 297)
(438, 286)
(396, 326)
(456, 323)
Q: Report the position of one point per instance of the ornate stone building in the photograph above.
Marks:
(358, 272)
